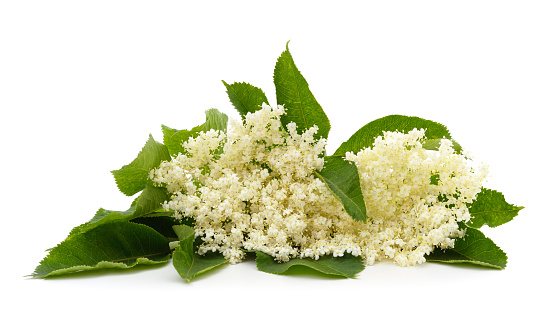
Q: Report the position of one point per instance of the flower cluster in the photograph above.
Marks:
(253, 188)
(415, 197)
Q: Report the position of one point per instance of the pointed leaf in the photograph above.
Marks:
(174, 139)
(293, 93)
(184, 232)
(365, 136)
(162, 224)
(188, 263)
(342, 178)
(474, 248)
(113, 245)
(491, 208)
(346, 266)
(133, 177)
(245, 97)
(148, 201)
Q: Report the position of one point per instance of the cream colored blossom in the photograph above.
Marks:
(411, 216)
(253, 188)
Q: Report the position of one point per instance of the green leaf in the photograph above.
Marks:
(184, 232)
(342, 178)
(174, 139)
(162, 224)
(490, 208)
(133, 177)
(433, 144)
(245, 97)
(189, 264)
(474, 248)
(293, 93)
(434, 180)
(346, 266)
(148, 201)
(113, 245)
(365, 136)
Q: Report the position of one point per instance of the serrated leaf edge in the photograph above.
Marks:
(229, 90)
(362, 216)
(113, 263)
(473, 261)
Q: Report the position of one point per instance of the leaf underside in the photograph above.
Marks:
(342, 178)
(112, 245)
(174, 139)
(366, 135)
(490, 208)
(346, 266)
(474, 248)
(293, 93)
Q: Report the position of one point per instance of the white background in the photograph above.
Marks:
(83, 83)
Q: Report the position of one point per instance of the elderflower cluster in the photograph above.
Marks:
(253, 188)
(414, 197)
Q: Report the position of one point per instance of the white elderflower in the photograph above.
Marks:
(410, 215)
(253, 188)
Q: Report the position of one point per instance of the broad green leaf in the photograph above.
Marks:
(293, 93)
(113, 245)
(162, 224)
(174, 139)
(474, 248)
(245, 97)
(188, 263)
(490, 208)
(184, 232)
(365, 136)
(342, 178)
(346, 266)
(133, 177)
(148, 201)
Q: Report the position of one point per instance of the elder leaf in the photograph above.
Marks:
(185, 259)
(342, 178)
(112, 245)
(148, 201)
(433, 144)
(245, 97)
(161, 224)
(346, 266)
(133, 177)
(490, 208)
(365, 136)
(174, 139)
(473, 248)
(293, 93)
